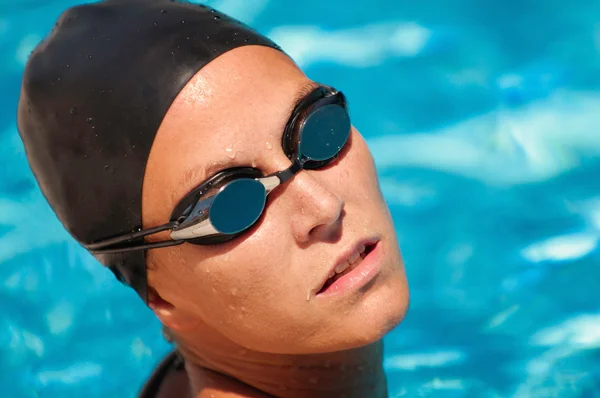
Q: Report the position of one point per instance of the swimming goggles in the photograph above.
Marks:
(231, 202)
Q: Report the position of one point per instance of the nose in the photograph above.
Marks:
(320, 211)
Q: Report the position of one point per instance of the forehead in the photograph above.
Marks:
(236, 106)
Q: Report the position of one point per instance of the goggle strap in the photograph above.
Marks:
(129, 237)
(145, 246)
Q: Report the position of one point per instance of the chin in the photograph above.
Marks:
(382, 311)
(361, 337)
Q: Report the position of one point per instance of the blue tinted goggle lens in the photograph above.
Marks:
(237, 206)
(324, 133)
(240, 203)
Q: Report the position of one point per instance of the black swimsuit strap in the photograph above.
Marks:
(172, 362)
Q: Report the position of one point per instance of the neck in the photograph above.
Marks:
(353, 373)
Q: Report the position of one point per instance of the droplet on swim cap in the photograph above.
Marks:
(88, 135)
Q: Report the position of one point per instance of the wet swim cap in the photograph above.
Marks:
(94, 94)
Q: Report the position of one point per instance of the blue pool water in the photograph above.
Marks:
(484, 119)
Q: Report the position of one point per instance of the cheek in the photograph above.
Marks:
(231, 285)
(359, 172)
(252, 296)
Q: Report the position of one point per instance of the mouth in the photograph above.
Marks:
(348, 266)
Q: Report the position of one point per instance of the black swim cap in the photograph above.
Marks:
(94, 94)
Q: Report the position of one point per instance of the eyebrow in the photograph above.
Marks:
(191, 178)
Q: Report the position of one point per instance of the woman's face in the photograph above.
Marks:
(262, 290)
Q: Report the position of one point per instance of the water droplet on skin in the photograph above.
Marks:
(89, 57)
(182, 21)
(217, 18)
(253, 163)
(68, 66)
(73, 111)
(308, 295)
(231, 307)
(85, 156)
(105, 167)
(155, 23)
(163, 11)
(269, 146)
(90, 119)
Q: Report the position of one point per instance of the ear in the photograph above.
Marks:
(169, 315)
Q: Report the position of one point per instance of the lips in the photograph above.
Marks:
(348, 262)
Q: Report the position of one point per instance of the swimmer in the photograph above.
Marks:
(193, 158)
